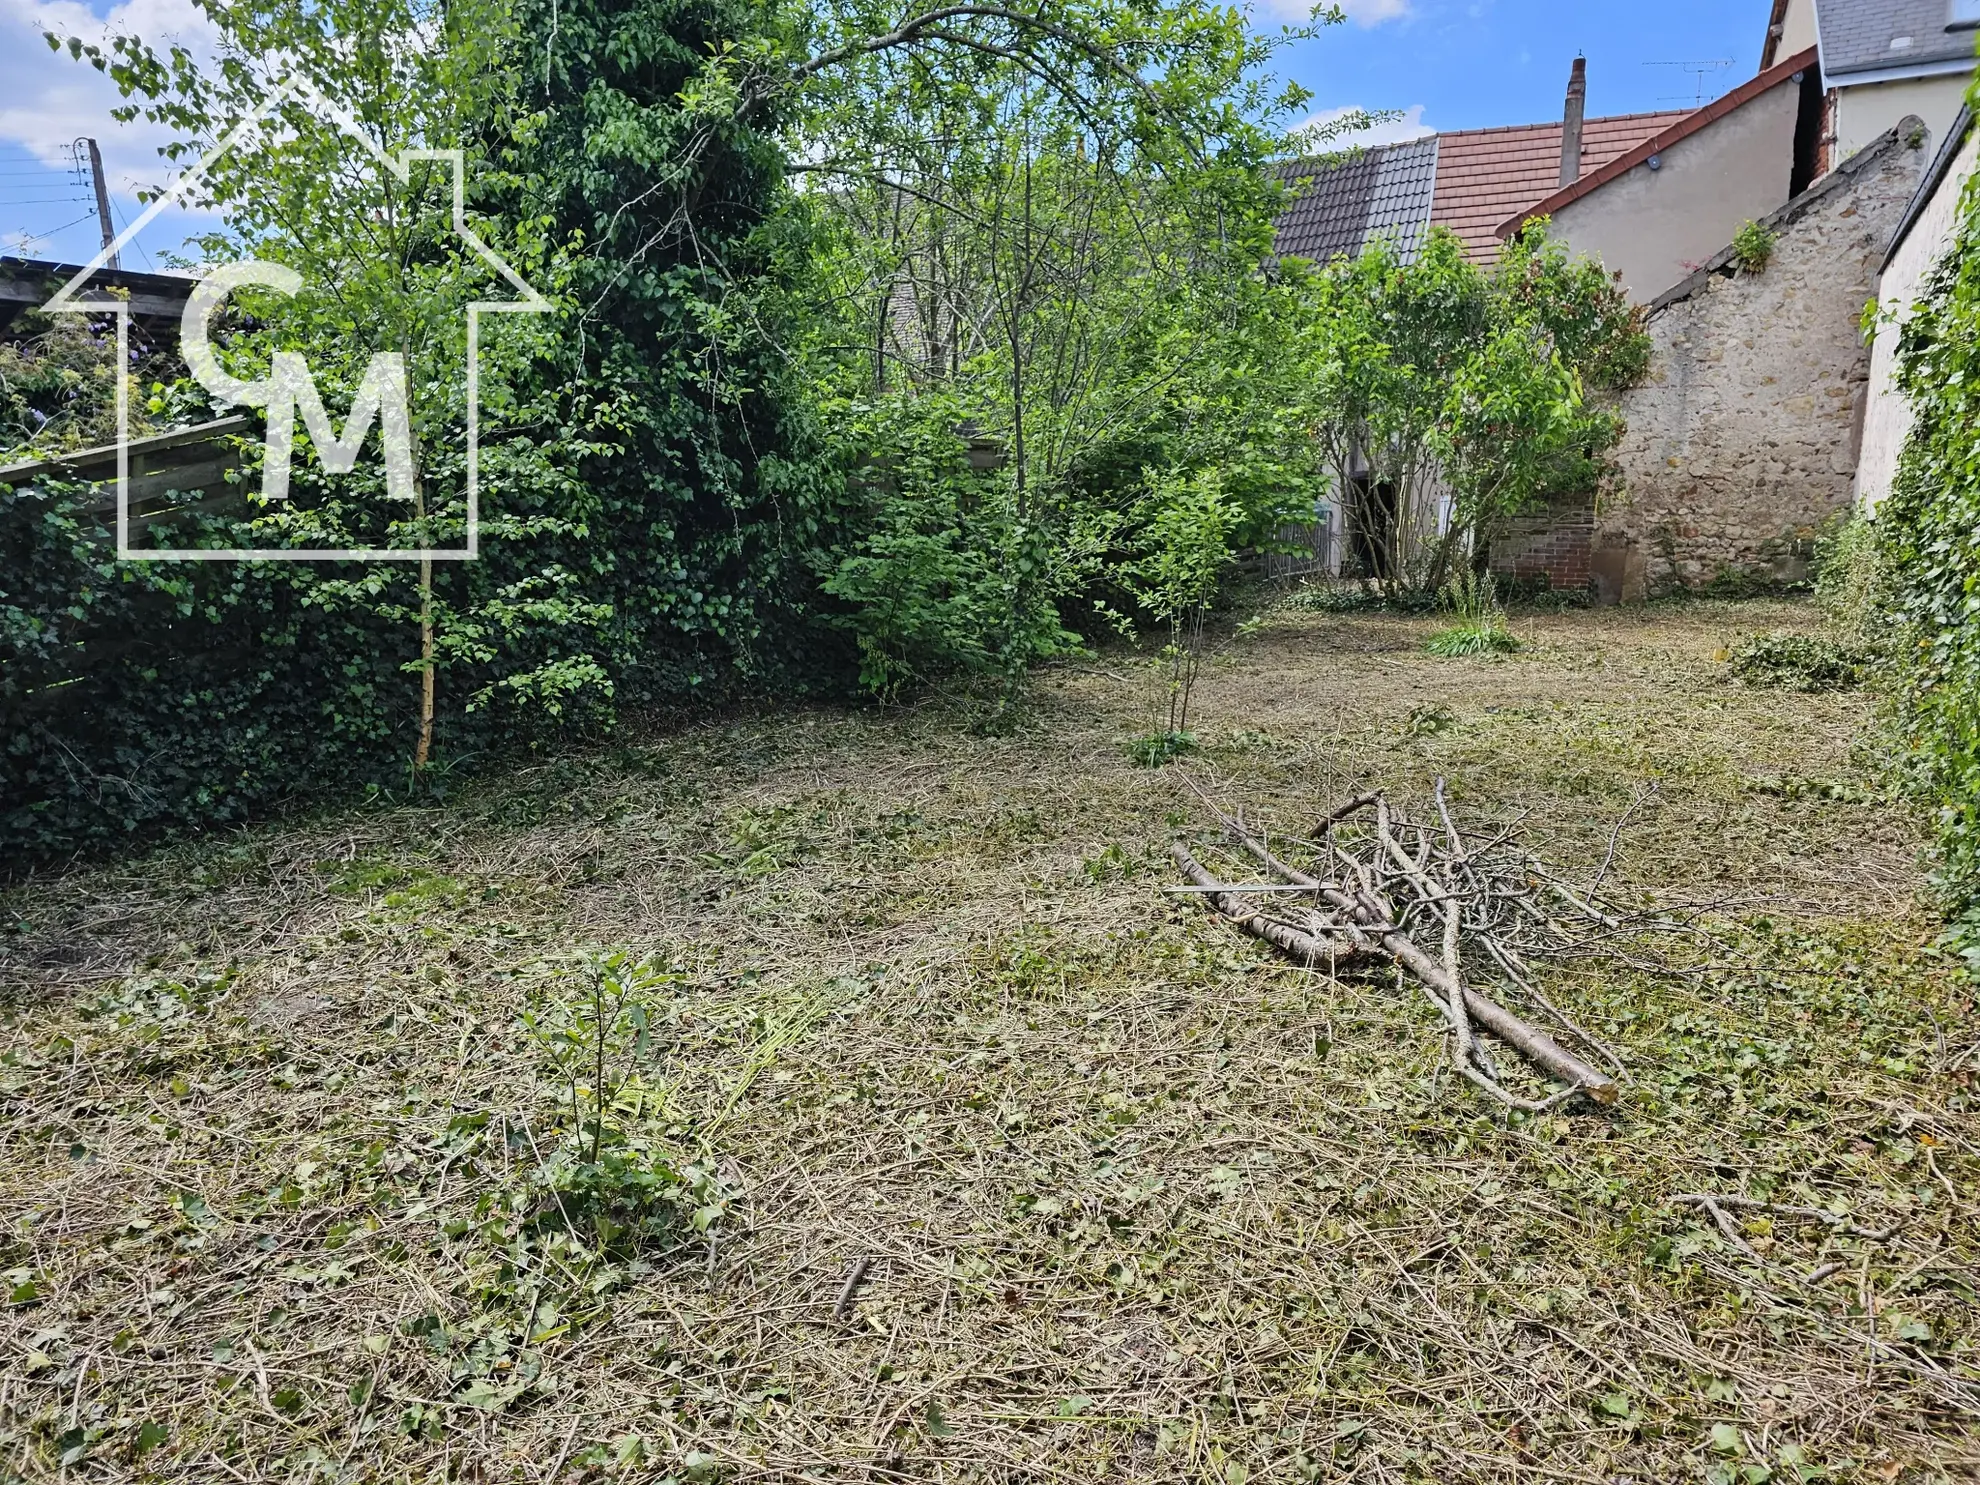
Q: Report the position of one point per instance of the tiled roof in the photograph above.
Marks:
(1871, 35)
(1487, 175)
(1340, 204)
(1782, 74)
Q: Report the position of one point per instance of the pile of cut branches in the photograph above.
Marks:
(1380, 887)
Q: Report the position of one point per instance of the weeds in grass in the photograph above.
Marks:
(1157, 748)
(1798, 662)
(606, 1176)
(1486, 637)
(1472, 598)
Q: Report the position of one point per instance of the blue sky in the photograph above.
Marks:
(1445, 64)
(1467, 64)
(47, 101)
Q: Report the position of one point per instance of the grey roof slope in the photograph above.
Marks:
(1871, 35)
(1339, 205)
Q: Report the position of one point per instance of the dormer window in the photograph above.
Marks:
(1964, 13)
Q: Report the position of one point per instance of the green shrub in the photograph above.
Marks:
(1798, 662)
(1753, 247)
(1853, 583)
(1472, 598)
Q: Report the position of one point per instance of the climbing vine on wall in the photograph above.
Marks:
(1928, 535)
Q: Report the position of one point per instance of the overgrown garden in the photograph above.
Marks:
(885, 358)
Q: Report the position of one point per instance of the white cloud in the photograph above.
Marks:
(52, 100)
(1361, 12)
(1409, 125)
(1374, 12)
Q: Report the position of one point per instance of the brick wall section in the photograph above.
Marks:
(1743, 440)
(1557, 546)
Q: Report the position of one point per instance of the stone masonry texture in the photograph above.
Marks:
(1742, 442)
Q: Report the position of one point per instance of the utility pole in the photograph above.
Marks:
(102, 200)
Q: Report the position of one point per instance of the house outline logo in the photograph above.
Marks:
(65, 301)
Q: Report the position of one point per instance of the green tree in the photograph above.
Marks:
(1447, 399)
(1057, 223)
(382, 270)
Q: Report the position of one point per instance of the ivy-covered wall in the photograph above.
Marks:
(135, 695)
(1928, 539)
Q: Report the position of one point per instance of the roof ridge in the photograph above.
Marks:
(1781, 74)
(1606, 118)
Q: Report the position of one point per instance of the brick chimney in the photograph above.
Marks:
(1577, 108)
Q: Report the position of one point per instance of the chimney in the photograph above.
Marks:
(1577, 107)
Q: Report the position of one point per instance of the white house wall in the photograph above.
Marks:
(1865, 111)
(1887, 420)
(1656, 226)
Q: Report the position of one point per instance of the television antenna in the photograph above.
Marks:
(1700, 73)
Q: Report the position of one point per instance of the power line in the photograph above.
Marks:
(119, 217)
(27, 238)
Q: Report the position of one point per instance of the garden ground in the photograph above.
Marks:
(1011, 1165)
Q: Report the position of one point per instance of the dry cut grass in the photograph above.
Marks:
(1007, 1165)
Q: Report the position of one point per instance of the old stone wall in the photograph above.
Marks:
(1743, 439)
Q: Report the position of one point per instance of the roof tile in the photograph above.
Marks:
(1340, 204)
(1487, 175)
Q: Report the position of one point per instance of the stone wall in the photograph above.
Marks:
(1743, 440)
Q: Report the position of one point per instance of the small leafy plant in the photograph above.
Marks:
(1157, 748)
(607, 1180)
(1798, 662)
(1473, 600)
(1187, 547)
(1753, 247)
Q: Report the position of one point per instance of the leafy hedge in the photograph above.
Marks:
(1928, 540)
(134, 695)
(652, 490)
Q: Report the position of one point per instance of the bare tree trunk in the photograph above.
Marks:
(424, 750)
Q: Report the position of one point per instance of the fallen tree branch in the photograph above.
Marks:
(1360, 918)
(1381, 884)
(1315, 951)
